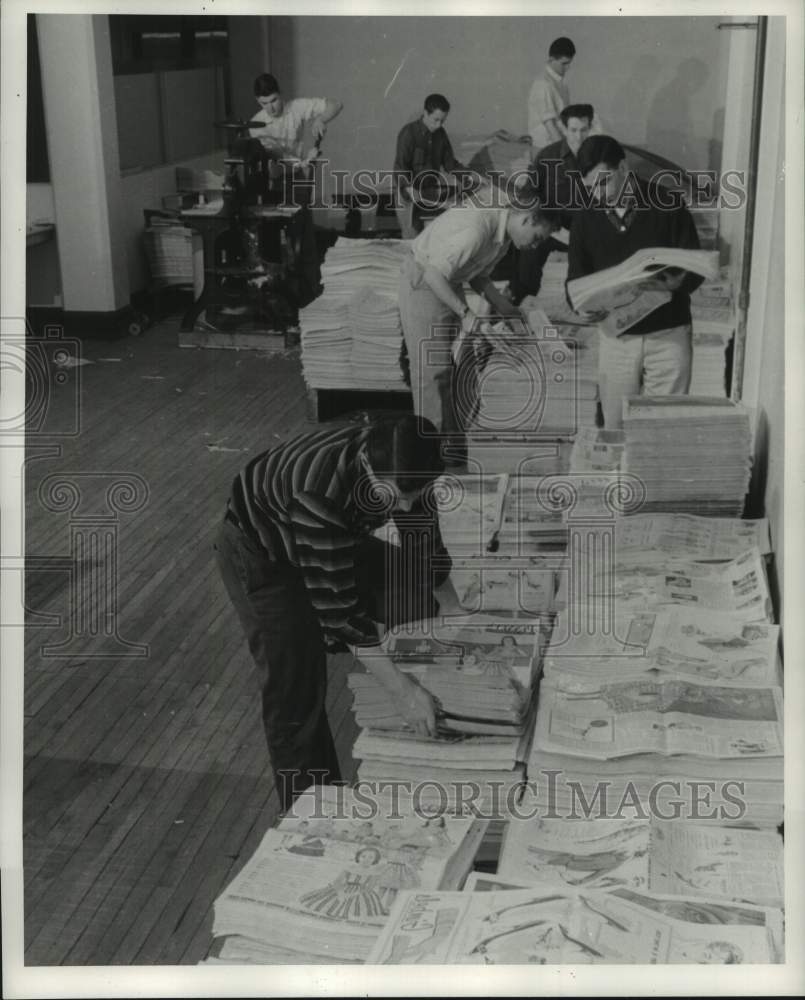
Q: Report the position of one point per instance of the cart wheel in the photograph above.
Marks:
(135, 328)
(140, 323)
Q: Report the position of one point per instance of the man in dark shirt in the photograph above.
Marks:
(423, 152)
(628, 215)
(552, 171)
(300, 562)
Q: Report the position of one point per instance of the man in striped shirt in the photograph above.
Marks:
(300, 563)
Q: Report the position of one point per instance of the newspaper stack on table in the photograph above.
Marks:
(481, 672)
(534, 381)
(320, 886)
(546, 926)
(692, 453)
(674, 856)
(351, 335)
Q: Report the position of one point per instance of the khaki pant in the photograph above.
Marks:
(443, 393)
(656, 363)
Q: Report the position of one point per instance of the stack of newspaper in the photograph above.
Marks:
(692, 453)
(597, 450)
(351, 335)
(535, 385)
(481, 671)
(673, 856)
(712, 312)
(320, 886)
(549, 926)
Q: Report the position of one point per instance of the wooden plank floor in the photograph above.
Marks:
(146, 778)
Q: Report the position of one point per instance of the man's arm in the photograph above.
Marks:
(502, 306)
(404, 161)
(318, 125)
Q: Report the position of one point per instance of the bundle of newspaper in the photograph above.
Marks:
(545, 926)
(481, 672)
(618, 291)
(535, 384)
(493, 452)
(480, 685)
(351, 335)
(706, 220)
(675, 857)
(533, 517)
(692, 453)
(649, 742)
(597, 450)
(320, 886)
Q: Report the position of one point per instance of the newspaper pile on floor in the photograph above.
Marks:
(692, 453)
(351, 334)
(547, 926)
(320, 886)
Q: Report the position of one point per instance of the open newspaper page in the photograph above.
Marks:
(595, 854)
(689, 536)
(700, 859)
(526, 587)
(671, 716)
(672, 857)
(469, 511)
(715, 646)
(638, 579)
(710, 646)
(547, 926)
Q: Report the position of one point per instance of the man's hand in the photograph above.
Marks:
(416, 706)
(663, 281)
(319, 129)
(468, 321)
(592, 315)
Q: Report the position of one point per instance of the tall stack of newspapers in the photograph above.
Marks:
(351, 334)
(537, 381)
(691, 453)
(712, 310)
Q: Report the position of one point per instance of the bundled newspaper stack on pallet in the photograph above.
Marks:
(320, 886)
(692, 453)
(351, 335)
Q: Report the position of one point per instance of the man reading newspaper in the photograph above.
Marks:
(627, 215)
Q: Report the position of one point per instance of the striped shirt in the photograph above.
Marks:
(306, 503)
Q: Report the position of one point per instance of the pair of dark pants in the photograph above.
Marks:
(287, 645)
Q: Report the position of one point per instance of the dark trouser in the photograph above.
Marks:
(528, 267)
(287, 645)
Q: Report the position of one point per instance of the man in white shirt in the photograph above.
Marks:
(282, 133)
(549, 94)
(462, 245)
